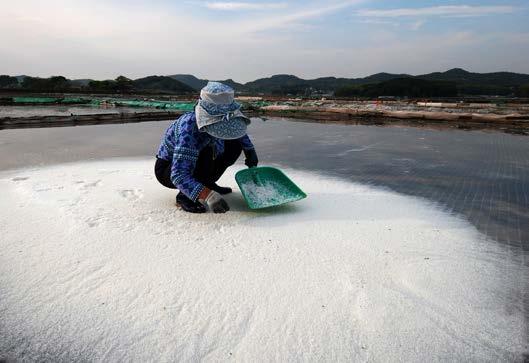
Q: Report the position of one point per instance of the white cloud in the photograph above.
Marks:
(378, 22)
(417, 25)
(230, 5)
(451, 10)
(280, 21)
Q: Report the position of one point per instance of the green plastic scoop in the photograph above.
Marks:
(264, 187)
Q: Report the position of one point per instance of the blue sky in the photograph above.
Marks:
(245, 40)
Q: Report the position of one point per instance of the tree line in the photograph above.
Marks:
(279, 85)
(121, 84)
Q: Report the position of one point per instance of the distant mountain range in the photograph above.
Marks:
(498, 83)
(197, 83)
(162, 83)
(458, 80)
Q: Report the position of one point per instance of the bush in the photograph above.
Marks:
(56, 83)
(8, 82)
(523, 91)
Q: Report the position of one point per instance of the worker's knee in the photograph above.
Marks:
(162, 171)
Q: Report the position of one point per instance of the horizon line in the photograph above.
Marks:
(265, 77)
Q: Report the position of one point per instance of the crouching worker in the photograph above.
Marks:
(198, 148)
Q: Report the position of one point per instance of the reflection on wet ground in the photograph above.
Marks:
(480, 175)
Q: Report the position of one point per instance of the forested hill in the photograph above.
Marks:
(466, 83)
(454, 82)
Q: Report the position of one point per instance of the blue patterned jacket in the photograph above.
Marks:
(181, 145)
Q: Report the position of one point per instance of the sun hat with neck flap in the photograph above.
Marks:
(218, 114)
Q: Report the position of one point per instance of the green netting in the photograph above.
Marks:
(35, 100)
(164, 105)
(75, 100)
(181, 106)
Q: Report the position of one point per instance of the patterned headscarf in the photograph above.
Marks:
(218, 114)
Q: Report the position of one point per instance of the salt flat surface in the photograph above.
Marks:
(96, 263)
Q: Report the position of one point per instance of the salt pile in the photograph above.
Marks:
(268, 193)
(98, 264)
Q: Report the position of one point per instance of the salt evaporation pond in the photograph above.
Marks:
(29, 111)
(107, 269)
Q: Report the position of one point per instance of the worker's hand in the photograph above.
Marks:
(251, 158)
(215, 203)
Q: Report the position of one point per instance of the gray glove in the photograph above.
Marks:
(215, 203)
